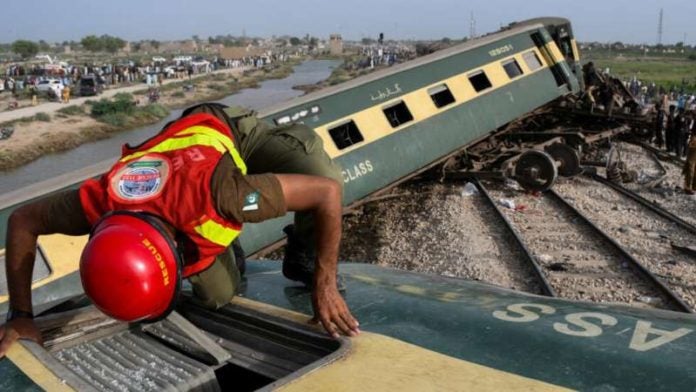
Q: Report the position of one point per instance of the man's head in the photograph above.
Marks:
(130, 267)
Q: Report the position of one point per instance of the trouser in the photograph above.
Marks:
(293, 149)
(681, 143)
(670, 136)
(659, 137)
(690, 169)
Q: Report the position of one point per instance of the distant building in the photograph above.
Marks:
(239, 52)
(127, 48)
(335, 44)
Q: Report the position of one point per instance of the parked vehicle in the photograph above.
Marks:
(49, 84)
(89, 85)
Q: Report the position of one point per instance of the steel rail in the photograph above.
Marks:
(678, 303)
(544, 284)
(646, 203)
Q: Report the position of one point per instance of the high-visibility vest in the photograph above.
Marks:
(169, 176)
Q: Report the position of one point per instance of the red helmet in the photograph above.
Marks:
(130, 267)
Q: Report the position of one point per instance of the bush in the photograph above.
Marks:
(178, 94)
(156, 110)
(692, 56)
(126, 97)
(115, 119)
(41, 116)
(217, 87)
(72, 110)
(120, 105)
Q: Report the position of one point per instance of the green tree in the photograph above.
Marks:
(446, 40)
(155, 44)
(44, 46)
(313, 42)
(25, 48)
(92, 43)
(112, 44)
(294, 41)
(368, 41)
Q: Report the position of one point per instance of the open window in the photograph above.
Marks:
(398, 114)
(233, 348)
(441, 95)
(512, 69)
(480, 81)
(345, 135)
(532, 60)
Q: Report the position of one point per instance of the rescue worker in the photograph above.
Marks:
(169, 209)
(592, 82)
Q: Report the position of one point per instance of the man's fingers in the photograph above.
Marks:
(350, 321)
(329, 327)
(6, 343)
(342, 325)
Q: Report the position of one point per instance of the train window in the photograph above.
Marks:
(532, 60)
(512, 69)
(398, 114)
(441, 95)
(480, 81)
(346, 134)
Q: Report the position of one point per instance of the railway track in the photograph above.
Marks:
(544, 284)
(580, 261)
(643, 229)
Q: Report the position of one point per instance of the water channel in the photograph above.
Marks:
(269, 93)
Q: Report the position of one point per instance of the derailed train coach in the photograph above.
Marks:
(421, 332)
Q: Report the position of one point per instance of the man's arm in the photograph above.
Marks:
(322, 196)
(44, 216)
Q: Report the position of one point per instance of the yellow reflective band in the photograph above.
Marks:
(216, 233)
(229, 145)
(199, 135)
(179, 144)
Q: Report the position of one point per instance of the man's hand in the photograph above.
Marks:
(20, 328)
(322, 196)
(331, 310)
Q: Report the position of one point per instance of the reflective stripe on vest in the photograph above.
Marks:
(216, 233)
(212, 231)
(199, 136)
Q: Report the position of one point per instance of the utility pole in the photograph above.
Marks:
(472, 26)
(659, 28)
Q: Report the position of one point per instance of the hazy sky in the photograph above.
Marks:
(594, 20)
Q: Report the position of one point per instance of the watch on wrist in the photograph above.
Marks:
(13, 314)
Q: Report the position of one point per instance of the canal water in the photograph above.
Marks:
(269, 93)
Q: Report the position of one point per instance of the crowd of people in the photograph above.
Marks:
(22, 80)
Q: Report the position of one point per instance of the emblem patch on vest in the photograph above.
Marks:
(251, 201)
(140, 180)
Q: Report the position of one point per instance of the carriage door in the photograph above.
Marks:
(546, 47)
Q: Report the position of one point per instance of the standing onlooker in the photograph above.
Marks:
(682, 133)
(671, 131)
(690, 165)
(659, 129)
(66, 94)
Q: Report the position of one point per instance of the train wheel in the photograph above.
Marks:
(567, 158)
(536, 171)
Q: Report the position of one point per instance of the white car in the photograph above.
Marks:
(45, 85)
(50, 84)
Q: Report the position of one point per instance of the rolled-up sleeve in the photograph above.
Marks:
(252, 198)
